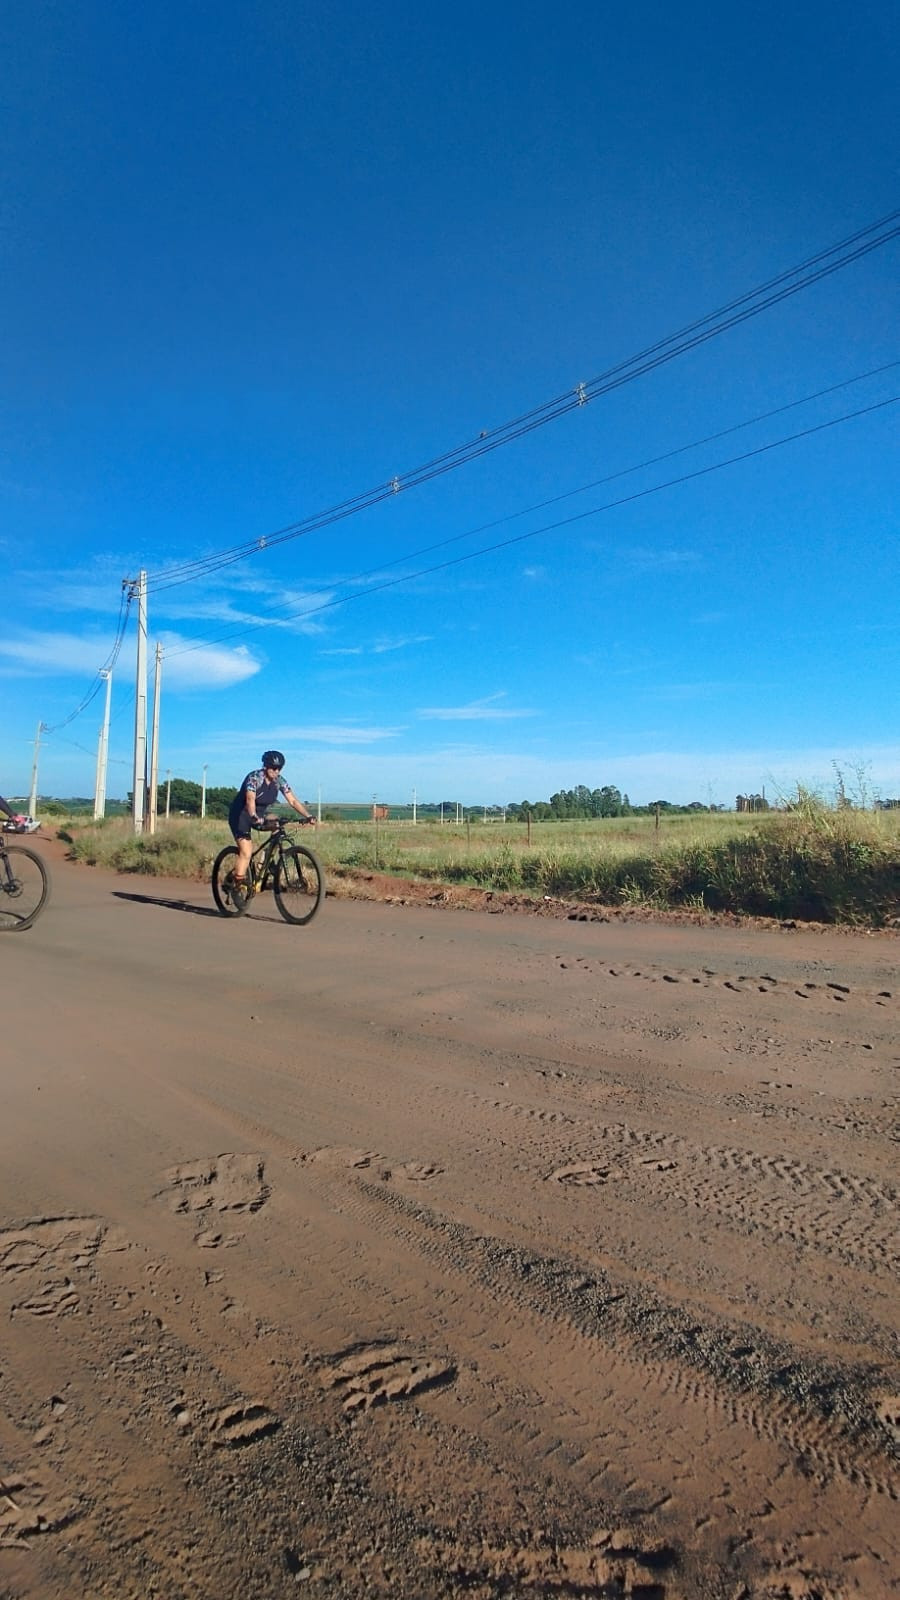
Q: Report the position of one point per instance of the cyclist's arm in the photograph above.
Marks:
(250, 803)
(6, 808)
(299, 807)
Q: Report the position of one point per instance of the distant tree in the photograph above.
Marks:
(582, 801)
(218, 802)
(183, 796)
(610, 801)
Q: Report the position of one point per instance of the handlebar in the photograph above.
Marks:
(278, 824)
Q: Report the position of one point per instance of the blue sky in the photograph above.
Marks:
(257, 261)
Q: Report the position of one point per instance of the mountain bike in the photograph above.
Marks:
(24, 887)
(290, 870)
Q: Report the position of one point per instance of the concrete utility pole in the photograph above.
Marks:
(32, 798)
(153, 798)
(138, 588)
(203, 793)
(102, 752)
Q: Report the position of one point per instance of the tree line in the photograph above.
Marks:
(567, 805)
(582, 803)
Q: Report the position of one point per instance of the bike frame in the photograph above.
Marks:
(265, 857)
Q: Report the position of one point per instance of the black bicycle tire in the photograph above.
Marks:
(223, 901)
(315, 900)
(27, 922)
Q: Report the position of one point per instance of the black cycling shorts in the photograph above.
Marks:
(240, 821)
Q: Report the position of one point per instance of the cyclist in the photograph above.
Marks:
(259, 791)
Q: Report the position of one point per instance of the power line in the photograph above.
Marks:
(107, 667)
(412, 555)
(580, 516)
(542, 505)
(750, 304)
(786, 284)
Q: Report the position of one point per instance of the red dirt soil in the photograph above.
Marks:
(429, 1251)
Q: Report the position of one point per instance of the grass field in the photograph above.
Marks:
(808, 863)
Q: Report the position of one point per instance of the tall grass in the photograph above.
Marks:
(806, 863)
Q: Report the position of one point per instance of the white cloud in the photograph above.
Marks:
(647, 560)
(335, 734)
(381, 647)
(47, 655)
(52, 655)
(641, 558)
(338, 734)
(232, 597)
(485, 710)
(687, 693)
(385, 645)
(214, 667)
(291, 611)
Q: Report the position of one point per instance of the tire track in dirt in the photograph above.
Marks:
(746, 1393)
(824, 1211)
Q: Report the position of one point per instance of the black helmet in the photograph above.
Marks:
(273, 758)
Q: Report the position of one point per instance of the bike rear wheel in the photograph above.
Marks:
(299, 885)
(231, 901)
(24, 888)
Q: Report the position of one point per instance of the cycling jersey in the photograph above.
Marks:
(266, 790)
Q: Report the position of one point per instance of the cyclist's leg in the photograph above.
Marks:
(239, 821)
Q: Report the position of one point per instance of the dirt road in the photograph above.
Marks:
(425, 1253)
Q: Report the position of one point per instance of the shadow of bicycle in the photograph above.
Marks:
(256, 915)
(169, 905)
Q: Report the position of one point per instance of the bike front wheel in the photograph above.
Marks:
(299, 885)
(24, 888)
(231, 902)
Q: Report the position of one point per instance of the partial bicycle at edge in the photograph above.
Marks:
(24, 887)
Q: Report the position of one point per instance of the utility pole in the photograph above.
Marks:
(102, 752)
(153, 798)
(414, 807)
(32, 798)
(138, 588)
(203, 793)
(168, 792)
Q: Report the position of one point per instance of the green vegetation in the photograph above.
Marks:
(809, 861)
